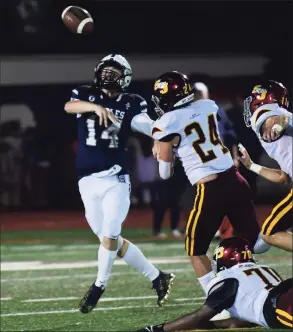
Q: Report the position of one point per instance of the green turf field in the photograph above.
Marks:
(44, 274)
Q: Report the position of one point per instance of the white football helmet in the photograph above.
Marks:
(110, 77)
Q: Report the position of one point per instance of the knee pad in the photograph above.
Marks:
(112, 230)
(260, 246)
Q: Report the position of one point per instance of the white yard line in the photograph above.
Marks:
(5, 298)
(108, 299)
(42, 266)
(105, 299)
(97, 309)
(39, 265)
(182, 299)
(84, 276)
(81, 247)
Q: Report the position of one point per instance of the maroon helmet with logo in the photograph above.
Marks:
(268, 93)
(232, 251)
(172, 90)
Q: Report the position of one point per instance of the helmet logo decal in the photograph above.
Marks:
(163, 86)
(261, 92)
(92, 98)
(219, 252)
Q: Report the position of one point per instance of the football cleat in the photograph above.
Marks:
(90, 299)
(155, 328)
(162, 285)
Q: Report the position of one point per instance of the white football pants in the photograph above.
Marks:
(106, 201)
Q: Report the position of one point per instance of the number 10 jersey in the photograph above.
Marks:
(200, 149)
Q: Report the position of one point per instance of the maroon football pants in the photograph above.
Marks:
(228, 195)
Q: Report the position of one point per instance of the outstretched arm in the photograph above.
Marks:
(142, 123)
(197, 320)
(273, 175)
(80, 106)
(221, 296)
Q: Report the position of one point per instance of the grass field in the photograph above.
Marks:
(44, 274)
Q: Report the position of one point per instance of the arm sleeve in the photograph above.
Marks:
(222, 294)
(265, 112)
(164, 129)
(142, 123)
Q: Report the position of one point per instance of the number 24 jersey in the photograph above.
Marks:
(200, 149)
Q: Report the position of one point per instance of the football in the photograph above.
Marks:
(78, 20)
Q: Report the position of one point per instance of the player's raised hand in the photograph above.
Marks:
(244, 158)
(104, 115)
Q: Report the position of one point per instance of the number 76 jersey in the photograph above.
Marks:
(200, 148)
(243, 290)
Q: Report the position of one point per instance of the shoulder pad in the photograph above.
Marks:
(84, 88)
(84, 91)
(137, 101)
(134, 97)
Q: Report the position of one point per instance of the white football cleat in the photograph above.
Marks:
(222, 315)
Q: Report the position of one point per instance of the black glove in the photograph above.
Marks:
(155, 328)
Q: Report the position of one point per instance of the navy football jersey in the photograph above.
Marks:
(101, 148)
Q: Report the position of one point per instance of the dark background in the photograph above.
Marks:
(141, 28)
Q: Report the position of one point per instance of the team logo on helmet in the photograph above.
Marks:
(163, 86)
(261, 92)
(219, 252)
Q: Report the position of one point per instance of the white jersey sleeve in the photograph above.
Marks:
(265, 112)
(142, 123)
(280, 149)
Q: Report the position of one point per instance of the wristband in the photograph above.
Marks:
(255, 168)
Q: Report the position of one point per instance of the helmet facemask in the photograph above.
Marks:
(158, 109)
(247, 113)
(113, 73)
(109, 76)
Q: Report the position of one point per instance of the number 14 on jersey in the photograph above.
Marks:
(107, 134)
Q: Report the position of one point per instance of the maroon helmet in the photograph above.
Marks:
(268, 93)
(172, 90)
(232, 251)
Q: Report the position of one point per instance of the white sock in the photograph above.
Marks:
(260, 246)
(106, 260)
(136, 258)
(204, 280)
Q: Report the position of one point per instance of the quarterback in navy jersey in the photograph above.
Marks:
(106, 115)
(103, 148)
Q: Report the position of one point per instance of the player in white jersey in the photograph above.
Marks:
(190, 127)
(266, 112)
(253, 294)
